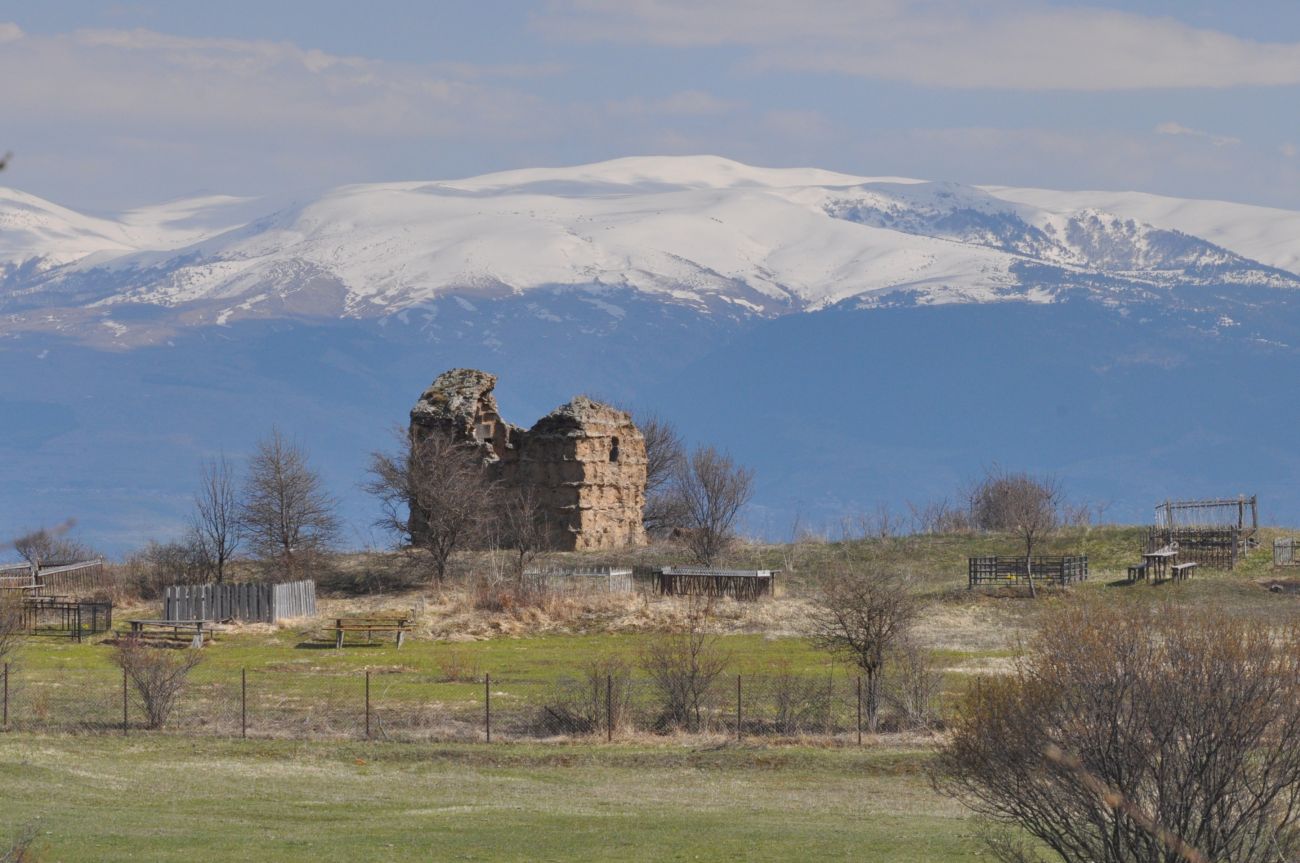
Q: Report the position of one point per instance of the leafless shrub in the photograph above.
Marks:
(12, 628)
(435, 496)
(712, 491)
(455, 666)
(684, 668)
(937, 517)
(214, 524)
(799, 702)
(148, 572)
(1138, 734)
(863, 612)
(158, 675)
(286, 514)
(911, 685)
(597, 701)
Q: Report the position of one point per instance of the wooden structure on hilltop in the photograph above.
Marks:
(1284, 552)
(1217, 532)
(253, 603)
(580, 582)
(1012, 571)
(744, 584)
(77, 579)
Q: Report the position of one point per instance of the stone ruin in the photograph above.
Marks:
(585, 461)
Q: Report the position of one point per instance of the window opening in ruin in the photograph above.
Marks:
(483, 432)
(613, 450)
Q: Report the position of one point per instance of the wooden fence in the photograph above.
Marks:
(1012, 570)
(264, 603)
(580, 582)
(1211, 547)
(83, 579)
(1284, 552)
(746, 584)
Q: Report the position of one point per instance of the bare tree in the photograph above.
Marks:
(522, 527)
(435, 496)
(158, 675)
(286, 513)
(1138, 734)
(684, 667)
(47, 546)
(664, 453)
(713, 490)
(862, 612)
(215, 520)
(1020, 503)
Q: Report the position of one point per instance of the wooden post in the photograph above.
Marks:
(737, 707)
(487, 706)
(124, 726)
(243, 703)
(609, 707)
(6, 716)
(859, 709)
(367, 704)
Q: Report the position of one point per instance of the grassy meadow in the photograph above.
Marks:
(172, 796)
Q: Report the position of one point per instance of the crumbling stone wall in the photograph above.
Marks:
(585, 462)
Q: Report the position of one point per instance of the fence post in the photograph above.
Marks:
(737, 707)
(609, 707)
(124, 726)
(487, 705)
(859, 710)
(6, 716)
(367, 704)
(243, 703)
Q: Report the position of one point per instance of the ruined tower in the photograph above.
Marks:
(585, 462)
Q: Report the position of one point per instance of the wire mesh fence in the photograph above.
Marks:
(414, 706)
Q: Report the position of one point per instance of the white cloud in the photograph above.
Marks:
(10, 32)
(689, 103)
(1171, 128)
(124, 77)
(999, 44)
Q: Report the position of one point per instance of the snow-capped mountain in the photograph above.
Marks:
(855, 339)
(701, 232)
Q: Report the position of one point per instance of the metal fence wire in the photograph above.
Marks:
(406, 705)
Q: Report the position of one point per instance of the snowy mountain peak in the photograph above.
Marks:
(703, 232)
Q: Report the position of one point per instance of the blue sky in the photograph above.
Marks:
(115, 104)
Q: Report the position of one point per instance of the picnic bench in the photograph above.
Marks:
(397, 623)
(1182, 571)
(197, 631)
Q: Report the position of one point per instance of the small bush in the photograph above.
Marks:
(799, 703)
(158, 675)
(601, 698)
(455, 667)
(911, 686)
(684, 669)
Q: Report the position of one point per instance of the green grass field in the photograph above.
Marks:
(164, 797)
(170, 799)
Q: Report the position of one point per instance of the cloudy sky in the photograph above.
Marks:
(108, 105)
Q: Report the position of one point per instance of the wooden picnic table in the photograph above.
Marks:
(396, 623)
(200, 628)
(1157, 563)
